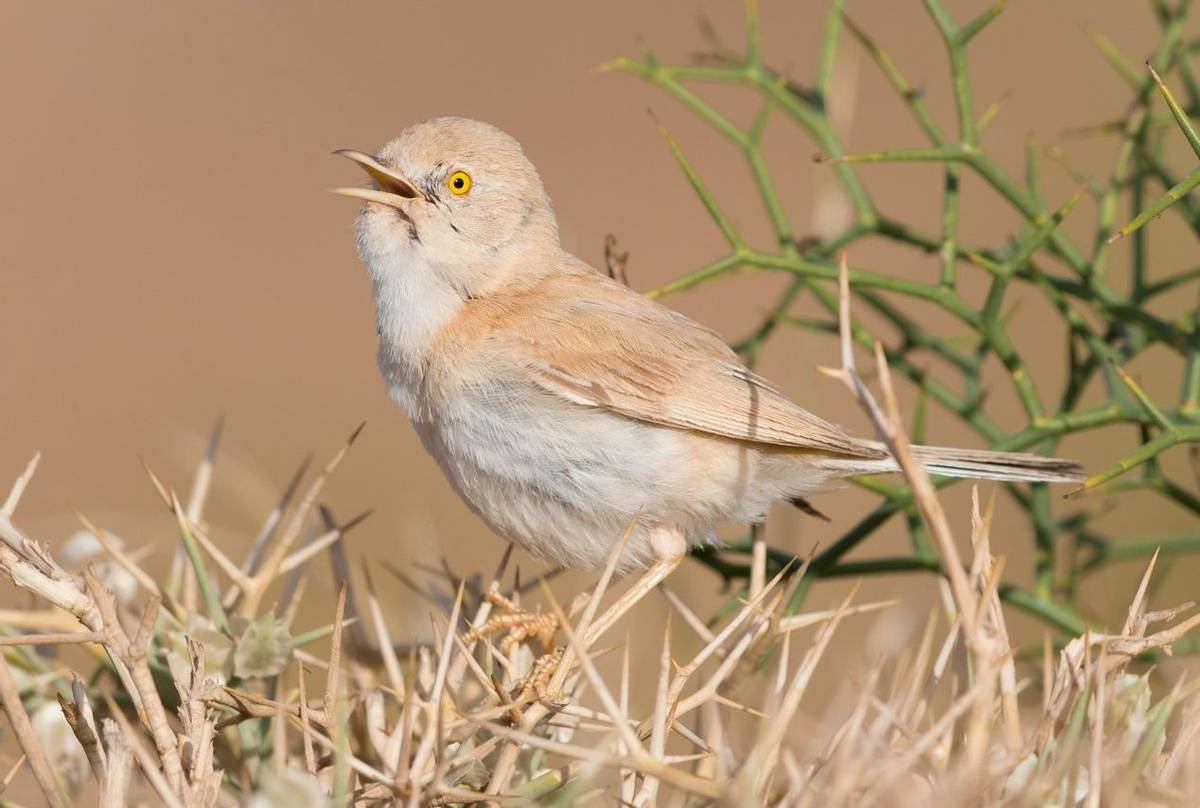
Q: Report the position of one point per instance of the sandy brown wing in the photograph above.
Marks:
(645, 361)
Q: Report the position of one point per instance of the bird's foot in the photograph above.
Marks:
(517, 624)
(536, 683)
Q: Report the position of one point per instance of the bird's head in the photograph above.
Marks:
(454, 193)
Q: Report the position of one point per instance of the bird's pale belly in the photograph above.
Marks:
(565, 481)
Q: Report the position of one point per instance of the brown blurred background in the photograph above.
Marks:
(168, 252)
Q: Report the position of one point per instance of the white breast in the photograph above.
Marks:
(412, 304)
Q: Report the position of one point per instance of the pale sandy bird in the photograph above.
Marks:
(560, 404)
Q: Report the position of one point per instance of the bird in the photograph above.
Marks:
(567, 410)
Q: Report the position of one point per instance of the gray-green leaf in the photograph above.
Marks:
(262, 648)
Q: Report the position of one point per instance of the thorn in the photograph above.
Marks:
(609, 66)
(504, 559)
(214, 439)
(355, 522)
(662, 129)
(158, 486)
(804, 506)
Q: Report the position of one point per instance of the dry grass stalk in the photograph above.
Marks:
(31, 747)
(78, 712)
(118, 768)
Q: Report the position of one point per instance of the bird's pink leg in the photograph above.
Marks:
(670, 547)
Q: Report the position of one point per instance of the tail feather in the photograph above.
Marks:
(987, 465)
(978, 464)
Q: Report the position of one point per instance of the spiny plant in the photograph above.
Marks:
(1107, 314)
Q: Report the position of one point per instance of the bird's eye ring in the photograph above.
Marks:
(459, 183)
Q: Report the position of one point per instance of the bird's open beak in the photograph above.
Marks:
(393, 189)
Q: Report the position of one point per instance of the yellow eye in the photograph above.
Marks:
(459, 183)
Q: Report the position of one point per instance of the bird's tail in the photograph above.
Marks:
(974, 463)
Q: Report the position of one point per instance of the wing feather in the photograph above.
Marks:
(615, 349)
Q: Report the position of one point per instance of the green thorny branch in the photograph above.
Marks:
(1104, 327)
